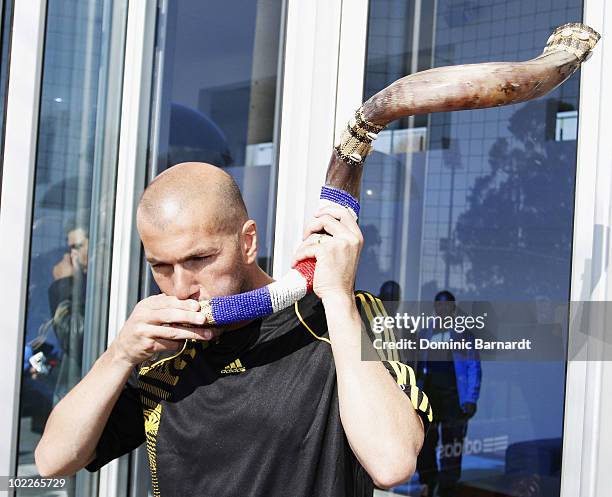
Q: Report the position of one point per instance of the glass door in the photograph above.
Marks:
(478, 204)
(5, 42)
(216, 99)
(72, 225)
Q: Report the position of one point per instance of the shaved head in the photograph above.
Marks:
(196, 234)
(193, 192)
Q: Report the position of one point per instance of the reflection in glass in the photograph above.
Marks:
(6, 8)
(216, 98)
(480, 204)
(71, 239)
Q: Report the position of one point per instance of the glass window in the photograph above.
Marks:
(479, 203)
(74, 194)
(216, 97)
(215, 100)
(5, 44)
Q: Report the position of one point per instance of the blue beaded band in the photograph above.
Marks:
(249, 305)
(340, 197)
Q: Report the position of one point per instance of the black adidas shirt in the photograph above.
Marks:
(256, 414)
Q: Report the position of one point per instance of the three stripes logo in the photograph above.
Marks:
(233, 367)
(495, 444)
(469, 446)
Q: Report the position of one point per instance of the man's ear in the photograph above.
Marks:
(248, 241)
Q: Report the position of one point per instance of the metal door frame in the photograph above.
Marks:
(21, 129)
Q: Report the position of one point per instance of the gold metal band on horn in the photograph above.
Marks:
(356, 140)
(206, 309)
(575, 38)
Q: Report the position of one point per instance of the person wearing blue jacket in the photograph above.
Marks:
(452, 380)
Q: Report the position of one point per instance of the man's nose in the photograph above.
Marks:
(183, 283)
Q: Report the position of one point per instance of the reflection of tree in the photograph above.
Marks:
(516, 232)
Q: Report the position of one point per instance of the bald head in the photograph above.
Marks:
(196, 191)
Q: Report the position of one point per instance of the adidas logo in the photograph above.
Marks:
(234, 367)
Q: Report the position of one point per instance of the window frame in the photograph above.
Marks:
(586, 449)
(21, 128)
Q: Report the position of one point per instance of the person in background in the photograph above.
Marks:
(452, 380)
(67, 304)
(390, 293)
(37, 384)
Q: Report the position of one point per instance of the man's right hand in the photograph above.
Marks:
(160, 323)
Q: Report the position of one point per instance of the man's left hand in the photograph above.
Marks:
(334, 239)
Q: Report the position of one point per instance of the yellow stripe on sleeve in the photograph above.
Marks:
(393, 354)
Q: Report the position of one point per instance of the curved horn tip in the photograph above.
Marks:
(575, 38)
